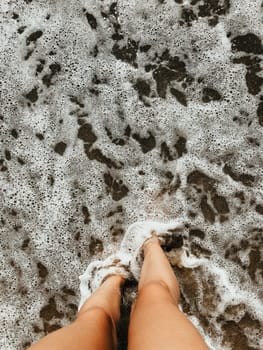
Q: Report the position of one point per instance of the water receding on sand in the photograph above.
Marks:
(118, 111)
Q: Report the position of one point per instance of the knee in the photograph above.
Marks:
(154, 285)
(98, 317)
(96, 313)
(158, 291)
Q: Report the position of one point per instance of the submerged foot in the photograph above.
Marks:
(99, 272)
(117, 276)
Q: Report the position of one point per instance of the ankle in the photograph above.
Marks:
(150, 243)
(115, 279)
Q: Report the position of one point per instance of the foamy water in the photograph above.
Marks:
(117, 112)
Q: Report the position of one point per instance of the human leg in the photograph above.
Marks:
(95, 326)
(156, 322)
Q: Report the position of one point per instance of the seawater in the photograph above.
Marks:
(114, 112)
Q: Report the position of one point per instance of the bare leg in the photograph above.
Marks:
(156, 322)
(95, 326)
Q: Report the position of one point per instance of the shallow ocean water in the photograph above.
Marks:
(118, 111)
